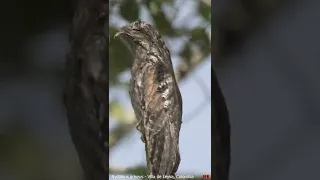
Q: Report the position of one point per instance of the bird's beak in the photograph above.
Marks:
(123, 30)
(117, 34)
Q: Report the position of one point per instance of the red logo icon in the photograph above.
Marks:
(206, 176)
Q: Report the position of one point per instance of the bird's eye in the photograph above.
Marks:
(136, 40)
(136, 29)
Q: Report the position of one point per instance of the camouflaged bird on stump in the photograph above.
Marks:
(155, 97)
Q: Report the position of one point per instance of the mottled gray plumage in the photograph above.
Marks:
(155, 96)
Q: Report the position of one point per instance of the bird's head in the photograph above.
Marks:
(138, 34)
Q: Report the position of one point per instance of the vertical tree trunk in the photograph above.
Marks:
(86, 89)
(220, 133)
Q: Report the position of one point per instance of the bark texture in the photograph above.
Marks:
(86, 89)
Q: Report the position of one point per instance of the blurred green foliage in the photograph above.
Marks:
(22, 154)
(21, 20)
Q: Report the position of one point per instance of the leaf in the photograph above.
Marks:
(115, 110)
(186, 52)
(152, 4)
(200, 37)
(129, 10)
(205, 10)
(162, 23)
(198, 34)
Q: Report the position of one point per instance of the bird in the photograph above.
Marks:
(155, 97)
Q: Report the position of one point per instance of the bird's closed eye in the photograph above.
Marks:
(135, 29)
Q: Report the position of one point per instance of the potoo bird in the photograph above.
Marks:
(155, 96)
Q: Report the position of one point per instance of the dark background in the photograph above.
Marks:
(34, 141)
(270, 78)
